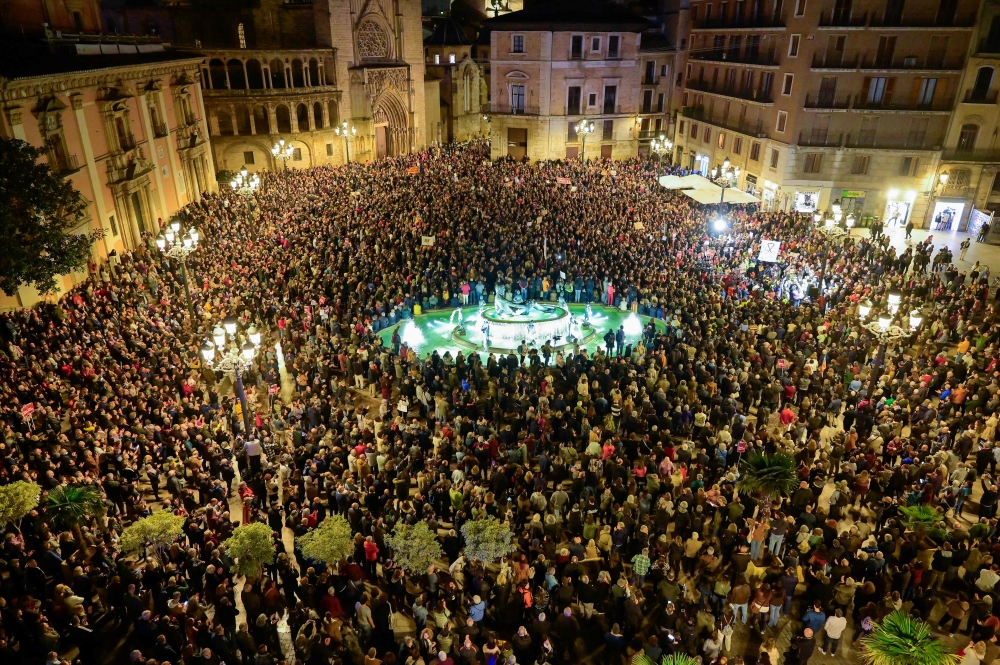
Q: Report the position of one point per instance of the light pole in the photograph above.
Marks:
(245, 183)
(726, 177)
(282, 152)
(582, 129)
(347, 132)
(885, 332)
(176, 247)
(234, 361)
(660, 146)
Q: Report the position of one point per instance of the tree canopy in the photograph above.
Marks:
(17, 500)
(38, 212)
(331, 542)
(158, 530)
(414, 548)
(253, 548)
(487, 540)
(901, 639)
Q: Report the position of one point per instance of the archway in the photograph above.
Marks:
(261, 121)
(255, 75)
(391, 127)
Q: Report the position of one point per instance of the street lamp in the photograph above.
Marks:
(582, 129)
(886, 332)
(282, 152)
(660, 146)
(175, 246)
(245, 183)
(234, 361)
(347, 132)
(726, 177)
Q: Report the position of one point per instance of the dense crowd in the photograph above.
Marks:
(616, 468)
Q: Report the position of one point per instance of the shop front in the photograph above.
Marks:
(852, 202)
(769, 195)
(898, 206)
(947, 215)
(806, 202)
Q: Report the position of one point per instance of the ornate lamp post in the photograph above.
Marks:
(726, 177)
(582, 129)
(831, 229)
(234, 361)
(660, 146)
(175, 246)
(282, 152)
(885, 331)
(245, 183)
(348, 132)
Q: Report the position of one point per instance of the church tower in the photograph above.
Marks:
(380, 71)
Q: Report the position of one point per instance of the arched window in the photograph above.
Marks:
(332, 112)
(261, 121)
(255, 75)
(284, 119)
(318, 115)
(298, 79)
(373, 41)
(967, 137)
(243, 120)
(217, 70)
(302, 115)
(981, 88)
(277, 74)
(314, 72)
(236, 78)
(225, 123)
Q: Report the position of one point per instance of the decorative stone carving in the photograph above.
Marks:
(380, 80)
(373, 41)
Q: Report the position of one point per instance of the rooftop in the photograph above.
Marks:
(448, 32)
(570, 15)
(29, 59)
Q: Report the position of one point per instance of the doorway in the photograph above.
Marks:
(517, 142)
(137, 211)
(947, 216)
(381, 142)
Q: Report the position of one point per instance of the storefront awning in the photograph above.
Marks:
(703, 190)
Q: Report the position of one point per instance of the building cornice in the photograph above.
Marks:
(49, 84)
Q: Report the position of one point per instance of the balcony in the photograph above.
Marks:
(909, 63)
(126, 143)
(65, 165)
(768, 59)
(923, 23)
(842, 21)
(268, 92)
(835, 60)
(740, 127)
(739, 23)
(979, 97)
(650, 80)
(861, 102)
(507, 109)
(988, 47)
(647, 134)
(733, 92)
(821, 139)
(827, 101)
(869, 140)
(962, 155)
(160, 129)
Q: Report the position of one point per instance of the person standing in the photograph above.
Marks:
(964, 247)
(834, 628)
(909, 232)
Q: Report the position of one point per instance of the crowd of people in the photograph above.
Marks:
(616, 470)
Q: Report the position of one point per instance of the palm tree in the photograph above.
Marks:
(69, 506)
(904, 640)
(768, 477)
(671, 659)
(922, 520)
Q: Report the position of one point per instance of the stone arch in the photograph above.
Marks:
(333, 113)
(298, 77)
(284, 119)
(318, 115)
(389, 111)
(243, 120)
(255, 75)
(234, 158)
(225, 122)
(237, 80)
(374, 40)
(261, 120)
(314, 77)
(302, 116)
(217, 71)
(277, 74)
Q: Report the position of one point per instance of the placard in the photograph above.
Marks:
(769, 250)
(426, 241)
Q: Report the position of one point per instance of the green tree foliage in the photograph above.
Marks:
(17, 500)
(159, 530)
(671, 659)
(487, 540)
(414, 548)
(923, 519)
(767, 476)
(69, 507)
(331, 542)
(252, 547)
(901, 639)
(38, 212)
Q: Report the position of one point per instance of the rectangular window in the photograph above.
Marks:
(592, 99)
(926, 95)
(573, 95)
(610, 98)
(114, 225)
(861, 164)
(680, 129)
(774, 158)
(613, 46)
(663, 71)
(437, 58)
(329, 150)
(722, 140)
(755, 151)
(782, 121)
(571, 134)
(800, 7)
(248, 157)
(517, 99)
(576, 47)
(814, 162)
(708, 135)
(908, 167)
(517, 44)
(876, 89)
(786, 84)
(595, 44)
(694, 130)
(647, 101)
(659, 103)
(738, 145)
(609, 130)
(451, 58)
(793, 46)
(242, 35)
(297, 154)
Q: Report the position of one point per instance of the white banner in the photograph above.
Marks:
(769, 250)
(426, 241)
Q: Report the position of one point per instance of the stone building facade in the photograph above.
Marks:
(131, 138)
